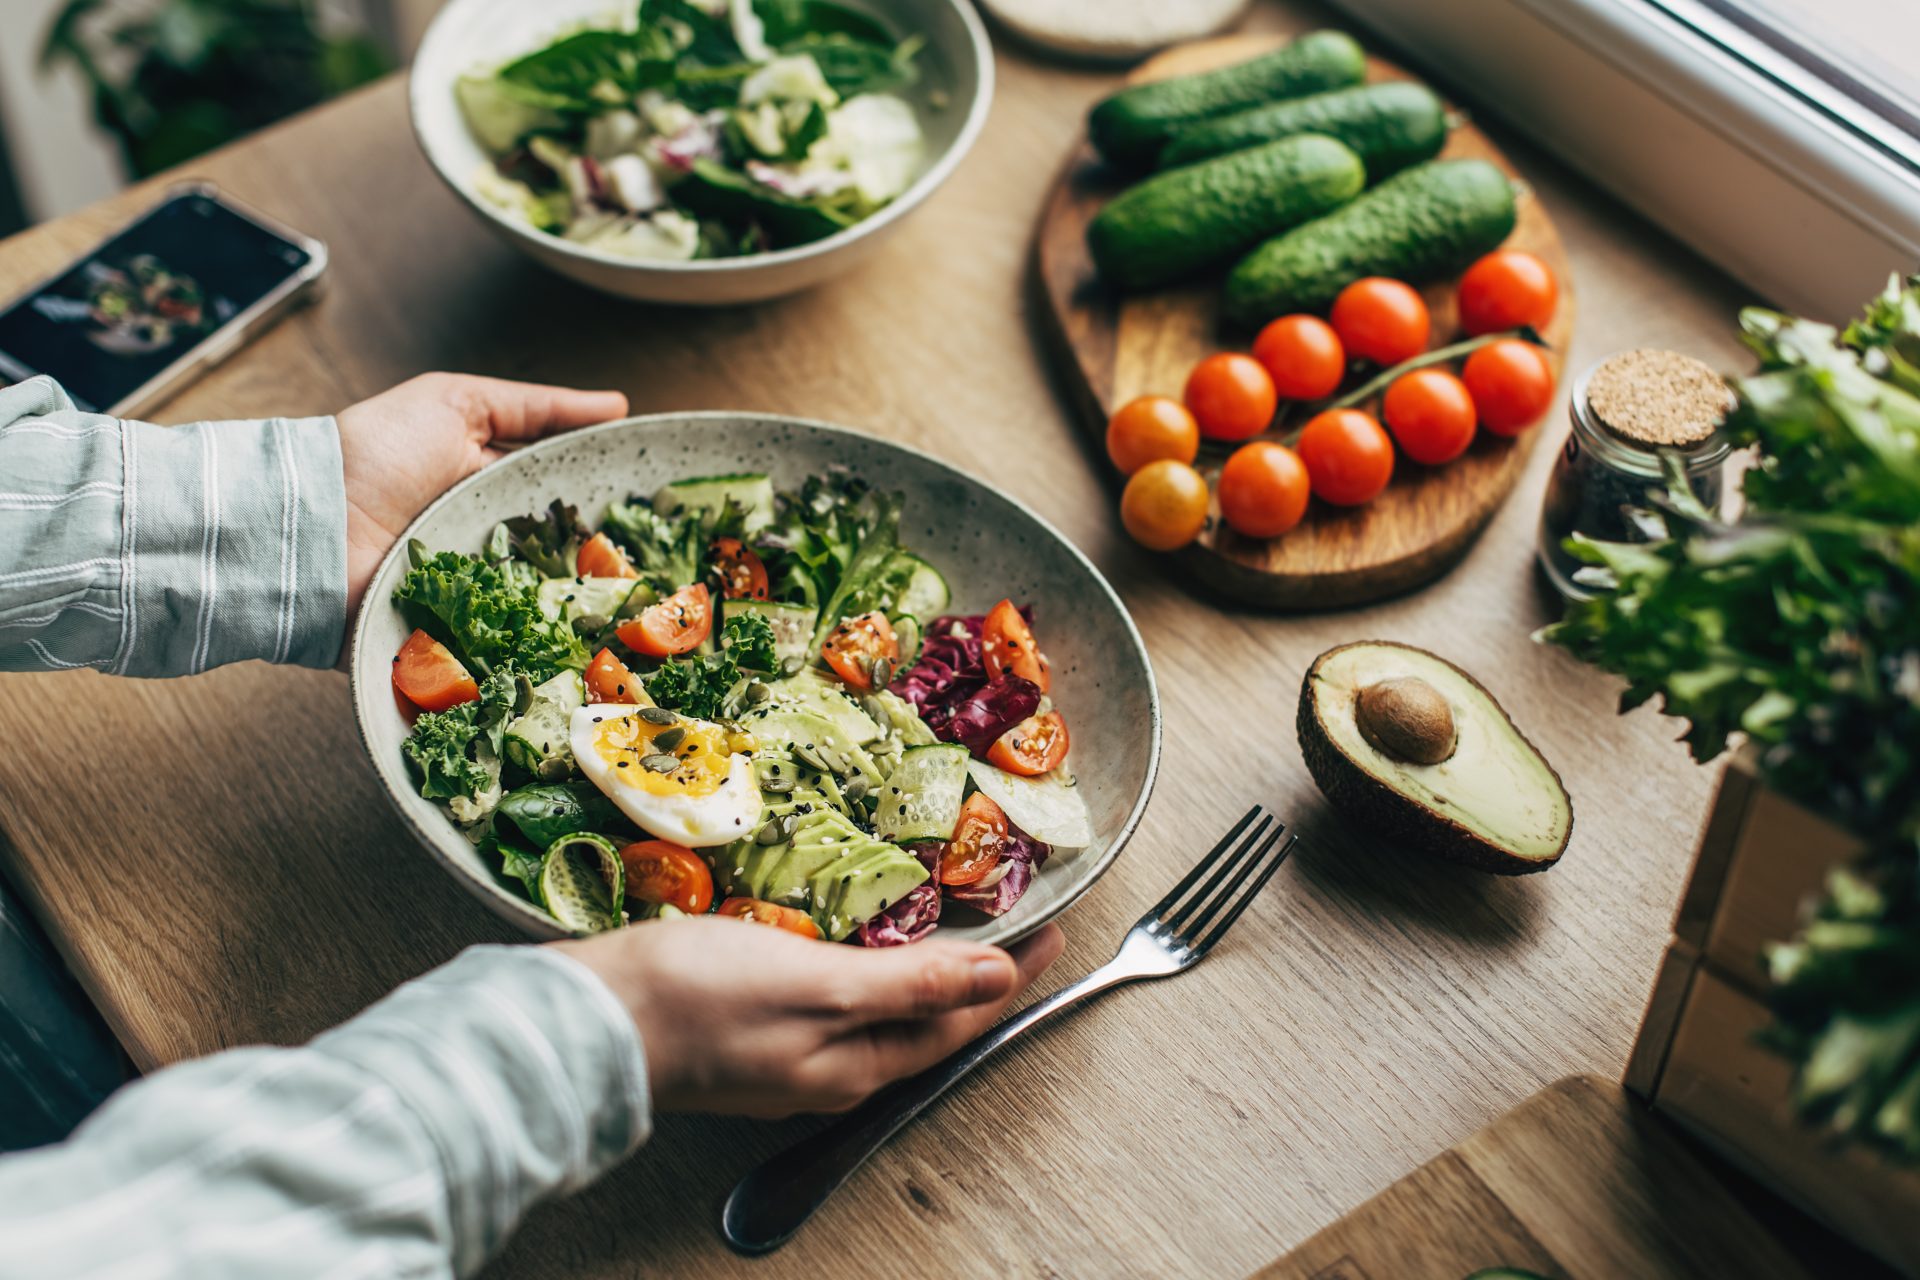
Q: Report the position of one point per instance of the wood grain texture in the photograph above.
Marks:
(1118, 348)
(215, 860)
(1577, 1183)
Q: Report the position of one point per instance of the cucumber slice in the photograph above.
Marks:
(570, 598)
(792, 624)
(1049, 807)
(923, 592)
(537, 741)
(921, 801)
(583, 883)
(753, 493)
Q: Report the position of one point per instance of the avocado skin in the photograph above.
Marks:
(1389, 126)
(1400, 818)
(1130, 127)
(1185, 220)
(1419, 225)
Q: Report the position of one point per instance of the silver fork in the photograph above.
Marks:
(771, 1203)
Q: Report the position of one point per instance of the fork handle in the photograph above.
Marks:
(770, 1203)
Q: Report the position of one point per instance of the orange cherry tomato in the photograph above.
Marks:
(979, 841)
(1303, 355)
(675, 625)
(1511, 383)
(1031, 747)
(1381, 320)
(1264, 489)
(661, 871)
(428, 675)
(608, 679)
(1231, 396)
(1164, 505)
(1148, 428)
(1006, 644)
(1348, 457)
(856, 644)
(743, 574)
(788, 918)
(599, 558)
(1430, 414)
(1504, 290)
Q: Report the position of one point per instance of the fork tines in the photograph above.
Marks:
(1241, 864)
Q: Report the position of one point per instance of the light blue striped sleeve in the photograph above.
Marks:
(407, 1142)
(159, 551)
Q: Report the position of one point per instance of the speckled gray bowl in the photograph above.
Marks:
(987, 545)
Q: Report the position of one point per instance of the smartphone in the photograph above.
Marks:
(159, 302)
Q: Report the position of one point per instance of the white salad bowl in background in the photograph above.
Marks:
(956, 71)
(987, 545)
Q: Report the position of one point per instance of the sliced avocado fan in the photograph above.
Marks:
(1412, 746)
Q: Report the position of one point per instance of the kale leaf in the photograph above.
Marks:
(456, 752)
(488, 617)
(709, 687)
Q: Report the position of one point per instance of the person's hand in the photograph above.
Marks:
(749, 1020)
(403, 448)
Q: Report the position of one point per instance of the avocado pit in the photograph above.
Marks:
(1408, 719)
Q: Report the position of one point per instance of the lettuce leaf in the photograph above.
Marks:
(488, 618)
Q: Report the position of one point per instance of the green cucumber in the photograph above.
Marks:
(570, 598)
(922, 593)
(1130, 127)
(536, 740)
(921, 800)
(792, 624)
(1184, 221)
(1389, 125)
(1423, 224)
(583, 883)
(752, 493)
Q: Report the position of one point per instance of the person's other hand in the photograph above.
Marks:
(749, 1020)
(406, 446)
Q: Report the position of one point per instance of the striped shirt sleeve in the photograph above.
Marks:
(406, 1142)
(159, 551)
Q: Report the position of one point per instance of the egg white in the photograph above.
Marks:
(730, 811)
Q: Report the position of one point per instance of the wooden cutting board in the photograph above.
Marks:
(1580, 1182)
(1116, 349)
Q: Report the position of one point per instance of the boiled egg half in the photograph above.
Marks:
(679, 779)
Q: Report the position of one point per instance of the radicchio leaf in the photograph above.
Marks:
(914, 916)
(1025, 856)
(948, 686)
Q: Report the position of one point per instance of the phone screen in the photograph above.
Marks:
(114, 320)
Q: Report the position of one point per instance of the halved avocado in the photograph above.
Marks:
(1371, 712)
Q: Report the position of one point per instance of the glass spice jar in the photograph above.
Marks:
(1625, 411)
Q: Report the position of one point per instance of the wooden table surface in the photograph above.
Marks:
(215, 859)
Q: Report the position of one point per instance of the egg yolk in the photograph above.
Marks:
(701, 755)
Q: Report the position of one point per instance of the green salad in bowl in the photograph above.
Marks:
(680, 130)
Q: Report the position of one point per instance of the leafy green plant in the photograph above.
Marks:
(1798, 628)
(180, 77)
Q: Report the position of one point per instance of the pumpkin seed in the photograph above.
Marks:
(882, 673)
(522, 695)
(758, 693)
(591, 624)
(856, 788)
(791, 667)
(807, 754)
(657, 715)
(768, 834)
(553, 770)
(777, 785)
(659, 763)
(669, 739)
(789, 823)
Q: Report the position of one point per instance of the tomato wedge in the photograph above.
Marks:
(428, 675)
(788, 918)
(1006, 644)
(979, 842)
(661, 871)
(1031, 747)
(743, 574)
(608, 679)
(599, 558)
(675, 625)
(856, 646)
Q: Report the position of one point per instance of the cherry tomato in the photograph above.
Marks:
(1263, 489)
(1511, 383)
(608, 680)
(1164, 505)
(1430, 414)
(661, 871)
(979, 841)
(856, 645)
(1031, 747)
(1348, 456)
(789, 918)
(428, 675)
(1506, 289)
(599, 558)
(675, 625)
(1006, 644)
(1148, 428)
(1231, 396)
(1303, 355)
(1381, 320)
(743, 575)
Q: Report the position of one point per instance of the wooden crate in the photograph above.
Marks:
(1697, 1058)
